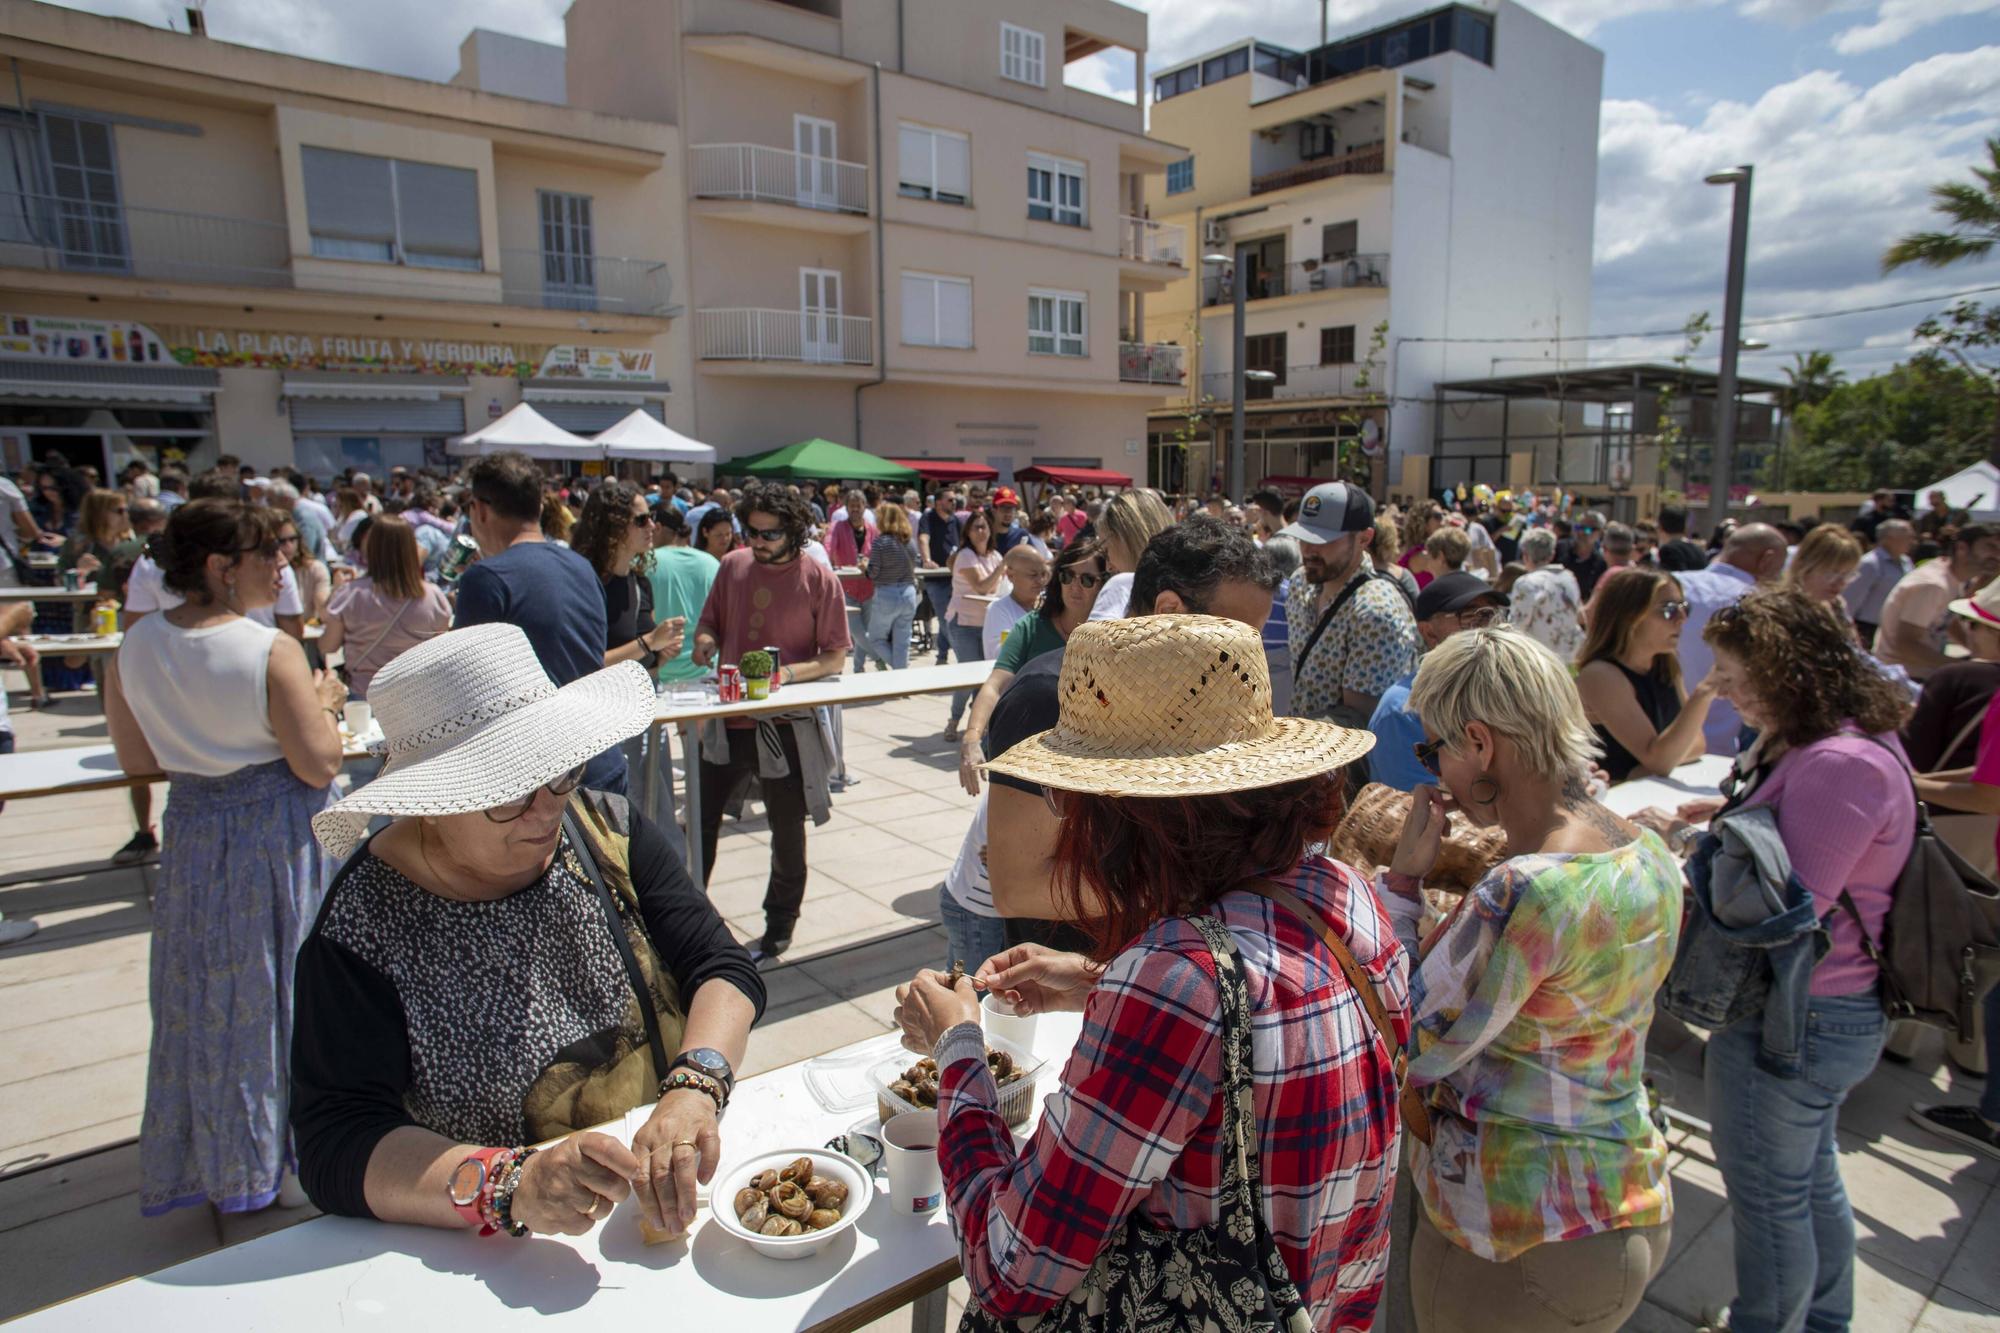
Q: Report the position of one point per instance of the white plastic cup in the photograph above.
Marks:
(997, 1015)
(909, 1151)
(358, 715)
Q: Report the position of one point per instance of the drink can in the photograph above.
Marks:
(776, 661)
(458, 557)
(104, 620)
(71, 580)
(729, 684)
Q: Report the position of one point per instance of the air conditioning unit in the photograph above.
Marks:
(1214, 234)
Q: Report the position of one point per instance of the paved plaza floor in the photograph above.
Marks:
(74, 1030)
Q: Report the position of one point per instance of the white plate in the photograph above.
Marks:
(722, 1197)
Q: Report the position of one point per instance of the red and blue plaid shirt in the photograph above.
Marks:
(1136, 1122)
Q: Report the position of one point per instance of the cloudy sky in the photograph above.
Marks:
(1849, 109)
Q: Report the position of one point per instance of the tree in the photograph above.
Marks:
(1813, 377)
(1919, 421)
(1974, 212)
(1969, 334)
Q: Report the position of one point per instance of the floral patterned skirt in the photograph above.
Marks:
(240, 881)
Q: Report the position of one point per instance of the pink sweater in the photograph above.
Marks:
(1849, 824)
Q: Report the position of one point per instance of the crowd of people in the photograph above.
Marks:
(1443, 1120)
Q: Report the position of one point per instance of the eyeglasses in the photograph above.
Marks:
(269, 550)
(1069, 576)
(289, 539)
(1427, 755)
(562, 786)
(1479, 617)
(1674, 610)
(764, 534)
(642, 520)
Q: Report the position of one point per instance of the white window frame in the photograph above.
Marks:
(1056, 339)
(937, 282)
(1023, 55)
(1047, 192)
(914, 184)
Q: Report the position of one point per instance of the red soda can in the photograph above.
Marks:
(729, 685)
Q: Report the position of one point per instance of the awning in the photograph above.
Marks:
(105, 393)
(644, 437)
(820, 460)
(524, 430)
(637, 396)
(107, 383)
(939, 469)
(360, 390)
(1073, 476)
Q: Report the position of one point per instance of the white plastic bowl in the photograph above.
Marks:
(722, 1197)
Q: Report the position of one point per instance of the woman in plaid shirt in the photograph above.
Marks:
(1133, 1130)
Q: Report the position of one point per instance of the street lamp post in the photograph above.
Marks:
(1723, 467)
(1233, 476)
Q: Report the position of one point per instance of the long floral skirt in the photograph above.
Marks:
(241, 879)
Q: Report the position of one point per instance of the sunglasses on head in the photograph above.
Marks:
(1069, 576)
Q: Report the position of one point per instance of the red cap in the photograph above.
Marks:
(1005, 496)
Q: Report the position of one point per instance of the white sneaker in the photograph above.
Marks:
(13, 932)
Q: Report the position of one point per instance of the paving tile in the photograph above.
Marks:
(860, 973)
(1975, 1270)
(35, 1002)
(30, 1196)
(99, 1244)
(1651, 1318)
(1951, 1312)
(36, 961)
(53, 1103)
(904, 811)
(70, 1043)
(81, 1139)
(1917, 1218)
(902, 861)
(807, 1032)
(914, 896)
(738, 897)
(1878, 1111)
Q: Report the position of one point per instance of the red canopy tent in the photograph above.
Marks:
(939, 469)
(1073, 476)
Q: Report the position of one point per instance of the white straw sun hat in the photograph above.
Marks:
(470, 721)
(1173, 705)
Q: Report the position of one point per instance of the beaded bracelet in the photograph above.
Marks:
(502, 1162)
(503, 1198)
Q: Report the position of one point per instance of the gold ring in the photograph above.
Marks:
(685, 1143)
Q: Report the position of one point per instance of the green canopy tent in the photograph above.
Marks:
(819, 460)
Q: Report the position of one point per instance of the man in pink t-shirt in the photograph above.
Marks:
(767, 596)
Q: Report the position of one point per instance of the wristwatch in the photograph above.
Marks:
(709, 1061)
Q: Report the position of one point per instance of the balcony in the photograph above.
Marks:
(1365, 161)
(1330, 381)
(752, 173)
(1152, 242)
(801, 336)
(1152, 363)
(163, 245)
(1307, 275)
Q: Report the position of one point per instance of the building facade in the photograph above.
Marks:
(904, 231)
(1405, 206)
(206, 249)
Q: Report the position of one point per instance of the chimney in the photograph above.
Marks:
(197, 25)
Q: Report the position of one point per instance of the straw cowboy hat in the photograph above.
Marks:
(1983, 607)
(1173, 706)
(470, 721)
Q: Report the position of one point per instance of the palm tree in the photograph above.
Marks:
(1813, 377)
(1974, 212)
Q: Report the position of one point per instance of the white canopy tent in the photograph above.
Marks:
(644, 437)
(1975, 490)
(524, 430)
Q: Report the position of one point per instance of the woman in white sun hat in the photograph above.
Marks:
(474, 981)
(1187, 813)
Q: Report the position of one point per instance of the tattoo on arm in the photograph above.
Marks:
(1576, 799)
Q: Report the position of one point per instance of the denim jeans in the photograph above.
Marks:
(888, 616)
(968, 935)
(968, 641)
(1774, 1140)
(937, 595)
(857, 619)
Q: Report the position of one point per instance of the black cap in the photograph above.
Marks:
(1454, 592)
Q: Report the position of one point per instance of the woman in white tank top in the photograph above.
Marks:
(248, 735)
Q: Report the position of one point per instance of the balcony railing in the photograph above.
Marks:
(1330, 381)
(1366, 161)
(785, 335)
(1153, 242)
(166, 245)
(777, 176)
(1151, 363)
(1307, 275)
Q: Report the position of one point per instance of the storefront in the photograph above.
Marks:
(102, 416)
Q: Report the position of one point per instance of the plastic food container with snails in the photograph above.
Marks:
(906, 1083)
(789, 1204)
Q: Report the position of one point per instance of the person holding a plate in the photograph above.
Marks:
(511, 960)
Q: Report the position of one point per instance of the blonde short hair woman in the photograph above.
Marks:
(1544, 1172)
(1131, 519)
(1823, 564)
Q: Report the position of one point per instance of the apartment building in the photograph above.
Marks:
(903, 230)
(1396, 203)
(207, 248)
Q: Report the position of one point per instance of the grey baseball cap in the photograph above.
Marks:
(1330, 511)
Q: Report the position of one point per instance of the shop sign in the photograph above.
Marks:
(598, 363)
(46, 338)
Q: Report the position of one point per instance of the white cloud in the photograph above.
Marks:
(1898, 19)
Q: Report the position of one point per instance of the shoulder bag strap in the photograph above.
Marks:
(1239, 1093)
(1965, 734)
(387, 630)
(1326, 618)
(1364, 987)
(587, 858)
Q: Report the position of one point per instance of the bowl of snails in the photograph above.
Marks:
(789, 1204)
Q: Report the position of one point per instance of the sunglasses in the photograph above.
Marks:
(1479, 617)
(269, 550)
(1674, 610)
(1069, 576)
(642, 520)
(1427, 755)
(764, 534)
(562, 786)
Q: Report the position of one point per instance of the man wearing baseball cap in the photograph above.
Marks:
(1008, 531)
(1352, 633)
(1449, 603)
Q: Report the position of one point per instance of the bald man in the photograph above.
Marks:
(1028, 570)
(1753, 555)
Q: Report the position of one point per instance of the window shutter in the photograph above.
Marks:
(349, 197)
(440, 213)
(914, 149)
(954, 166)
(954, 314)
(919, 310)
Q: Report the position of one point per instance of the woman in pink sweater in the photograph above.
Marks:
(1828, 762)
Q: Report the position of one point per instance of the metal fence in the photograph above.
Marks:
(1330, 381)
(1151, 363)
(778, 176)
(785, 335)
(1305, 275)
(567, 282)
(1153, 242)
(1360, 162)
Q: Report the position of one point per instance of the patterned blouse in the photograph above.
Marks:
(1547, 606)
(1135, 1123)
(1368, 647)
(1532, 1007)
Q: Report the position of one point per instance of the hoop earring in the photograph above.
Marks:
(1493, 792)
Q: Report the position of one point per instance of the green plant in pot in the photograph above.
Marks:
(756, 668)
